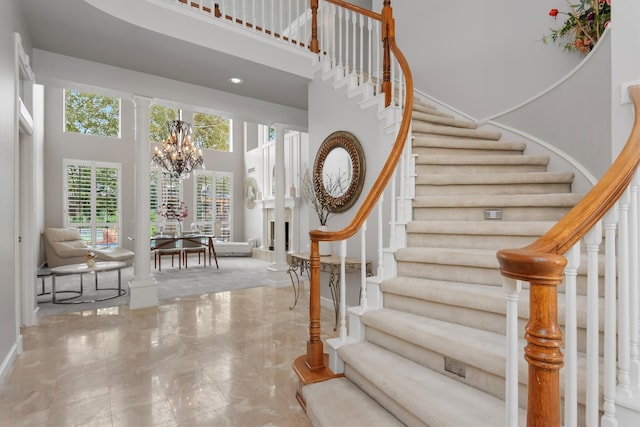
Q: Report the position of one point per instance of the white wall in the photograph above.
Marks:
(480, 57)
(324, 119)
(10, 21)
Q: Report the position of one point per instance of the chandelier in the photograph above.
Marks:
(178, 155)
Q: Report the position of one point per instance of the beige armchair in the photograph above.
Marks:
(65, 246)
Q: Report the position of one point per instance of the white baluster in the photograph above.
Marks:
(243, 14)
(233, 11)
(272, 24)
(634, 297)
(347, 19)
(609, 406)
(333, 37)
(571, 340)
(393, 82)
(340, 39)
(623, 297)
(298, 22)
(363, 266)
(361, 70)
(354, 36)
(370, 51)
(393, 220)
(343, 296)
(263, 15)
(380, 269)
(378, 61)
(512, 289)
(593, 240)
(253, 16)
(289, 24)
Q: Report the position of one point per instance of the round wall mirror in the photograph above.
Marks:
(338, 171)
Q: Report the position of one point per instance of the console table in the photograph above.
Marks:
(82, 269)
(329, 264)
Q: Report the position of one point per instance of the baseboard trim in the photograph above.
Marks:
(10, 358)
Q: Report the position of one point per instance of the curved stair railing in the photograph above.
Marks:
(612, 204)
(384, 70)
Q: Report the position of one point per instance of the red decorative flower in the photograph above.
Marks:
(553, 12)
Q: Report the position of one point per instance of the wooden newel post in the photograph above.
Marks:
(544, 355)
(315, 356)
(388, 32)
(544, 272)
(314, 27)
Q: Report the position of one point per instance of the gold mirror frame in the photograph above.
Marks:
(348, 142)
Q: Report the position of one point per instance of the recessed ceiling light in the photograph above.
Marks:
(235, 80)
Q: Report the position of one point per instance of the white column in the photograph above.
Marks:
(143, 289)
(277, 270)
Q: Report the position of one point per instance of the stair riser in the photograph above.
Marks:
(422, 121)
(474, 377)
(480, 319)
(477, 214)
(423, 129)
(429, 151)
(427, 169)
(467, 241)
(440, 190)
(456, 273)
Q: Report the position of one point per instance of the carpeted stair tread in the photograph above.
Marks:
(419, 116)
(485, 258)
(479, 297)
(499, 200)
(461, 143)
(339, 402)
(495, 178)
(427, 108)
(431, 397)
(481, 160)
(427, 128)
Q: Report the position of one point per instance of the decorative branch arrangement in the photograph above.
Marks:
(171, 212)
(323, 206)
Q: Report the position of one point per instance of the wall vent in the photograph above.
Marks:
(455, 367)
(493, 214)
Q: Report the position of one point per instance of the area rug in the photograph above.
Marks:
(234, 273)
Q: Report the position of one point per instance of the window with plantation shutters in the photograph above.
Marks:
(213, 203)
(92, 201)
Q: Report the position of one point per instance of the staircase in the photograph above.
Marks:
(434, 355)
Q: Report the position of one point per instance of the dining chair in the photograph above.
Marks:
(191, 246)
(166, 246)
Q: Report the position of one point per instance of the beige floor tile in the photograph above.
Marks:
(213, 360)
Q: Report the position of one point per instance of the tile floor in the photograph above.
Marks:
(221, 359)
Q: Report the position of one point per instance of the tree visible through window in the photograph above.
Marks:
(92, 114)
(92, 201)
(211, 132)
(159, 115)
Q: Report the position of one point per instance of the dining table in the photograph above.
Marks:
(167, 240)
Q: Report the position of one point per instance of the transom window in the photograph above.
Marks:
(92, 114)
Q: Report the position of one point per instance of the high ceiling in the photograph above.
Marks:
(75, 28)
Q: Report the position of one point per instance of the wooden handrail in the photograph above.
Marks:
(358, 9)
(542, 265)
(311, 367)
